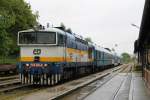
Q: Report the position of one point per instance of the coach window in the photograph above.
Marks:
(90, 53)
(99, 55)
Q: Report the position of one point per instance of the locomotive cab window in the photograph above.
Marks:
(46, 38)
(37, 38)
(27, 38)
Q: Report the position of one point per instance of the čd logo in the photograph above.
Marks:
(37, 51)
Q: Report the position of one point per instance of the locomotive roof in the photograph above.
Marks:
(71, 35)
(59, 31)
(45, 30)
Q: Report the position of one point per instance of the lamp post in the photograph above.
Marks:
(134, 25)
(115, 47)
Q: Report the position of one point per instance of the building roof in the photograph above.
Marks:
(144, 34)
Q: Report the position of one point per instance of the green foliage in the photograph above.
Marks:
(126, 58)
(24, 19)
(5, 41)
(63, 26)
(88, 39)
(5, 22)
(69, 30)
(15, 15)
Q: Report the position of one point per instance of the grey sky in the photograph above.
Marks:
(107, 22)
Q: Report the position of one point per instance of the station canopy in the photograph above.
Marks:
(144, 34)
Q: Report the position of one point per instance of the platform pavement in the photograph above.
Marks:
(138, 89)
(124, 86)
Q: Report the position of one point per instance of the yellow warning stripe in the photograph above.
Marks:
(46, 59)
(82, 52)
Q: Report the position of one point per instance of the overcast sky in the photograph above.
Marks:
(107, 22)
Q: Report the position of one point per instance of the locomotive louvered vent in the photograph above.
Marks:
(36, 58)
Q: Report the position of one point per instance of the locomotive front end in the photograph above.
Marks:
(41, 58)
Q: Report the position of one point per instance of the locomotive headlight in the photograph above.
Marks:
(45, 65)
(27, 65)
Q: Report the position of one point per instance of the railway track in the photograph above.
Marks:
(9, 77)
(10, 83)
(58, 91)
(126, 81)
(83, 92)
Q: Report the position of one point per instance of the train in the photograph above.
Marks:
(50, 56)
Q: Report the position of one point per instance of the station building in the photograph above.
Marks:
(142, 44)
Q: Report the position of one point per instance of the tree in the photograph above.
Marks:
(24, 18)
(113, 49)
(5, 22)
(63, 26)
(15, 15)
(88, 39)
(69, 30)
(6, 42)
(126, 57)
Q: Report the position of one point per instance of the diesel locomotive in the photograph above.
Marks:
(52, 55)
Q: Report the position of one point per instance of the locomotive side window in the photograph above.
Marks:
(68, 42)
(71, 43)
(74, 45)
(37, 38)
(61, 39)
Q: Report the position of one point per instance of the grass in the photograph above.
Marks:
(137, 68)
(8, 60)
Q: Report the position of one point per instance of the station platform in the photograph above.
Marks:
(124, 86)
